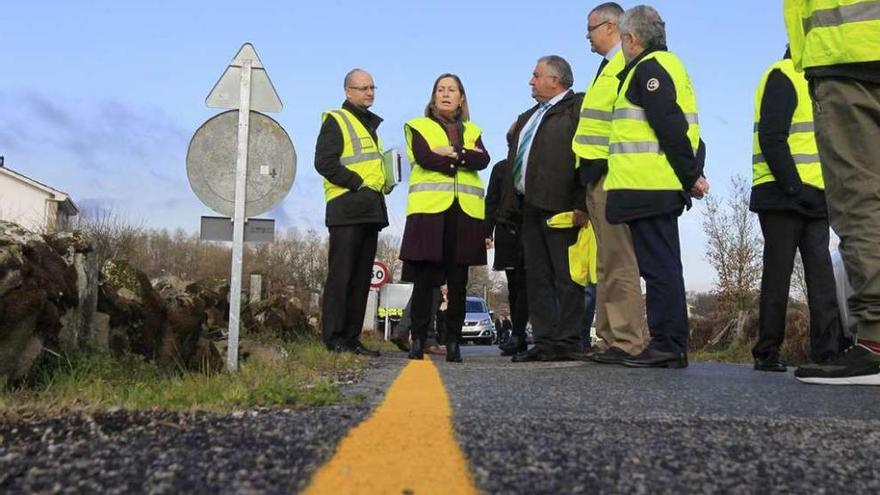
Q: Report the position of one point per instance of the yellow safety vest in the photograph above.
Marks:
(801, 137)
(434, 192)
(831, 32)
(591, 139)
(360, 154)
(583, 253)
(636, 161)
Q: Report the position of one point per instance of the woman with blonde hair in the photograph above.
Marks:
(444, 233)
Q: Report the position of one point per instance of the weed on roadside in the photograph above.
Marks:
(303, 374)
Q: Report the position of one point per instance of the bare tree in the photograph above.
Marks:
(114, 236)
(799, 280)
(483, 282)
(388, 252)
(734, 249)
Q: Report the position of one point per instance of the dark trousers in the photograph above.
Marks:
(556, 302)
(429, 275)
(590, 312)
(517, 297)
(434, 337)
(426, 275)
(658, 253)
(784, 233)
(349, 270)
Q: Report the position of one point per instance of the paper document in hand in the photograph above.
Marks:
(391, 161)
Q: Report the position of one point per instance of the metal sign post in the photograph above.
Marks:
(380, 278)
(244, 117)
(248, 179)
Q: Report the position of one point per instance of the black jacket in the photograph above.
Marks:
(551, 177)
(669, 124)
(361, 205)
(506, 242)
(787, 192)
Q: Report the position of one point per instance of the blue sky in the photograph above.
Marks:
(100, 98)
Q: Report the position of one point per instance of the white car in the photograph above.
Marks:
(478, 325)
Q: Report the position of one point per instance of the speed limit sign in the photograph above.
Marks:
(380, 275)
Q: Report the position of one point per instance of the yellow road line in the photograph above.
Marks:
(406, 447)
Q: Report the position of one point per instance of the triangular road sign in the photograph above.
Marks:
(227, 91)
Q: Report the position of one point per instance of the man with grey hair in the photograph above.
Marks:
(348, 156)
(542, 184)
(620, 320)
(655, 167)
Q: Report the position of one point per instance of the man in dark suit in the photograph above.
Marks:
(543, 182)
(356, 212)
(509, 258)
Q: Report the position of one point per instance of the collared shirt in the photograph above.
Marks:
(613, 51)
(521, 186)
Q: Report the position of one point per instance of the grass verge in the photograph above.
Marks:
(302, 374)
(736, 352)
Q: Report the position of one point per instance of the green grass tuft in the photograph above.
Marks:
(736, 352)
(307, 375)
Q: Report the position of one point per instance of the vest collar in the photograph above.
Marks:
(629, 66)
(369, 119)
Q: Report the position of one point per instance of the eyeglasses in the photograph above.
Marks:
(363, 88)
(590, 29)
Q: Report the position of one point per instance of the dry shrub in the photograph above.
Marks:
(795, 348)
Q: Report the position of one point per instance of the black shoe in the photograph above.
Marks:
(335, 346)
(401, 341)
(770, 364)
(857, 365)
(572, 355)
(453, 352)
(612, 355)
(416, 349)
(358, 347)
(513, 346)
(653, 358)
(533, 354)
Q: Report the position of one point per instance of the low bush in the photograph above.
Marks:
(707, 345)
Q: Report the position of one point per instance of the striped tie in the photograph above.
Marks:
(524, 143)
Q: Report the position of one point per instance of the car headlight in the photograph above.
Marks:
(487, 323)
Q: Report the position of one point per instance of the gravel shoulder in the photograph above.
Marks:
(253, 451)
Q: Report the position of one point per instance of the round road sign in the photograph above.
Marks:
(380, 275)
(211, 159)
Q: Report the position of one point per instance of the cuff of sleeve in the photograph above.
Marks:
(357, 183)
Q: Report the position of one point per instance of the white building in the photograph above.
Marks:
(33, 205)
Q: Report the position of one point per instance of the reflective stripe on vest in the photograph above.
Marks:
(801, 137)
(434, 192)
(437, 186)
(798, 159)
(844, 14)
(799, 127)
(639, 114)
(832, 32)
(636, 161)
(360, 154)
(591, 139)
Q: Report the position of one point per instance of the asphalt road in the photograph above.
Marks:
(528, 428)
(711, 428)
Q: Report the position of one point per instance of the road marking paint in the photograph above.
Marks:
(407, 446)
